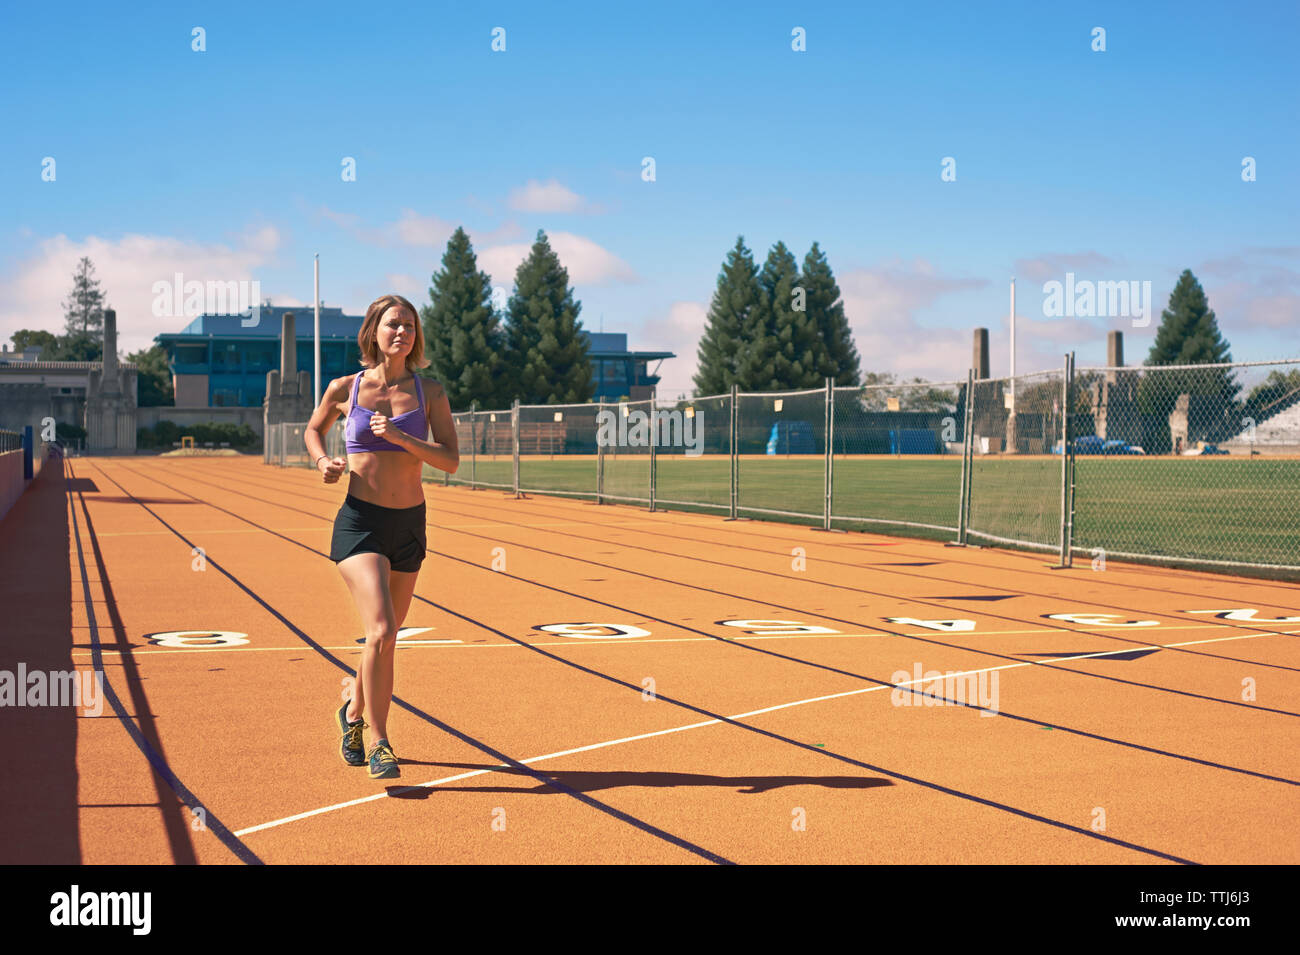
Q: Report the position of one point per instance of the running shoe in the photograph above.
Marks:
(383, 764)
(352, 750)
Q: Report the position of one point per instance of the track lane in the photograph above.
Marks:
(270, 788)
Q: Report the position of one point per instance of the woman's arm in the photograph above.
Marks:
(443, 452)
(321, 421)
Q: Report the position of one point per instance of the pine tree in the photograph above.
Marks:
(780, 342)
(463, 338)
(736, 300)
(83, 312)
(547, 353)
(1188, 335)
(837, 356)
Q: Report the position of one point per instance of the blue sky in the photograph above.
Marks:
(1122, 165)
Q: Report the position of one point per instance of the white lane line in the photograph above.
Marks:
(459, 645)
(690, 726)
(233, 530)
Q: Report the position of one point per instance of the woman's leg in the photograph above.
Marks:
(400, 588)
(367, 576)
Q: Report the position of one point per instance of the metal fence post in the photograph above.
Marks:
(654, 442)
(1065, 454)
(962, 498)
(828, 468)
(600, 455)
(514, 440)
(969, 446)
(734, 457)
(1069, 511)
(473, 445)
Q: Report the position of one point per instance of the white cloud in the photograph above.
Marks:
(33, 290)
(408, 286)
(881, 305)
(414, 230)
(679, 332)
(545, 197)
(586, 262)
(1054, 265)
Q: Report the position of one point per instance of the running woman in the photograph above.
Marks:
(379, 532)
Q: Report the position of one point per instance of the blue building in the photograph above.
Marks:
(217, 362)
(617, 372)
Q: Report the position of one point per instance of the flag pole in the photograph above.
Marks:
(1013, 346)
(316, 346)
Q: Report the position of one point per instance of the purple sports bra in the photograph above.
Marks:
(359, 438)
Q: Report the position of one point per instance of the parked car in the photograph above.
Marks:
(1092, 444)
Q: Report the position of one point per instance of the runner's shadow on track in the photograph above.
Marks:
(595, 781)
(118, 499)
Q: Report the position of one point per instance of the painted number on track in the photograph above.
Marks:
(780, 627)
(947, 626)
(595, 631)
(1247, 613)
(197, 639)
(1100, 619)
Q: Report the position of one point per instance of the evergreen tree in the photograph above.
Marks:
(1188, 335)
(83, 312)
(837, 356)
(546, 352)
(780, 341)
(1275, 393)
(154, 377)
(463, 338)
(737, 304)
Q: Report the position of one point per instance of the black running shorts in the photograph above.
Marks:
(396, 532)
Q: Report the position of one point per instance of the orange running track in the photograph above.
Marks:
(706, 691)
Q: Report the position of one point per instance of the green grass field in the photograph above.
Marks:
(1211, 508)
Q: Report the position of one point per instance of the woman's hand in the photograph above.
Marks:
(382, 427)
(331, 469)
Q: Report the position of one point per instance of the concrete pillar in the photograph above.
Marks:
(1178, 424)
(110, 412)
(1115, 349)
(288, 352)
(110, 351)
(288, 391)
(980, 358)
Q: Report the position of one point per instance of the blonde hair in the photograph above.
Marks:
(368, 337)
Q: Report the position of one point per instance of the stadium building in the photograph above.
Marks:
(219, 363)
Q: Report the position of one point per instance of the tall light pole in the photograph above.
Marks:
(1011, 437)
(316, 346)
(1013, 346)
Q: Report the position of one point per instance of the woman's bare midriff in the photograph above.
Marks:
(386, 478)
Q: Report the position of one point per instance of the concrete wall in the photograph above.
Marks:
(148, 417)
(190, 390)
(24, 404)
(11, 479)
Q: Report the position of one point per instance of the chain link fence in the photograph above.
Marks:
(1195, 465)
(486, 442)
(693, 458)
(897, 456)
(283, 444)
(1014, 494)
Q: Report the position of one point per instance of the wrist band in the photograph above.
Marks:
(317, 461)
